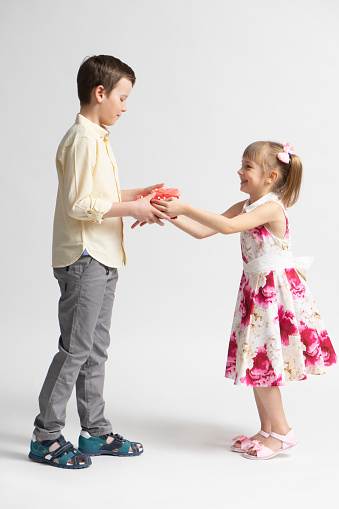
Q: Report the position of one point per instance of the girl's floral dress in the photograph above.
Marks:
(277, 332)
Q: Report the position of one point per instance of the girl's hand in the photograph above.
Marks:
(144, 211)
(172, 207)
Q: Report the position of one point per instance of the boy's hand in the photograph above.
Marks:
(149, 189)
(172, 207)
(144, 212)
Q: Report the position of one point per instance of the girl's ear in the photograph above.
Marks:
(272, 177)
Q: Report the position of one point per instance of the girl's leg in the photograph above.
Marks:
(263, 415)
(270, 398)
(264, 420)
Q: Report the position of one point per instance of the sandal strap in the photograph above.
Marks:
(63, 449)
(74, 455)
(64, 453)
(48, 443)
(76, 459)
(121, 444)
(257, 446)
(80, 456)
(263, 433)
(135, 447)
(288, 439)
(117, 442)
(263, 451)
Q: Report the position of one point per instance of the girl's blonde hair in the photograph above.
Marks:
(289, 179)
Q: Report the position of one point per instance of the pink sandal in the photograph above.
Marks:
(245, 442)
(264, 453)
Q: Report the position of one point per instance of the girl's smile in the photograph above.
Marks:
(253, 180)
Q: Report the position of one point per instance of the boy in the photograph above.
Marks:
(87, 250)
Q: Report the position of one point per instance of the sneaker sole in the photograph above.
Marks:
(104, 452)
(39, 459)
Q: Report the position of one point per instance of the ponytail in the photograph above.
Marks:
(291, 184)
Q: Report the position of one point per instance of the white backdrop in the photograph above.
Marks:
(212, 76)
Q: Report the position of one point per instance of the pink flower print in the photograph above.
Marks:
(232, 355)
(287, 234)
(243, 281)
(266, 294)
(327, 349)
(262, 373)
(260, 232)
(243, 257)
(246, 304)
(311, 340)
(278, 381)
(296, 286)
(287, 324)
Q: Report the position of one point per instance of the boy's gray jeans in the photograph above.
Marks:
(85, 309)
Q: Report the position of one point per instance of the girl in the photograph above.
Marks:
(277, 333)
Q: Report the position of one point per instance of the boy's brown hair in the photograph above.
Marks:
(102, 70)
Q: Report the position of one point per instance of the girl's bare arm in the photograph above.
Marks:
(270, 214)
(198, 230)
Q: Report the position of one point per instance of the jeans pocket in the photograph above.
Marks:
(60, 275)
(84, 264)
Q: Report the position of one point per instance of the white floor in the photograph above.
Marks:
(185, 414)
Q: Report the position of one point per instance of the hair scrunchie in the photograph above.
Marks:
(284, 156)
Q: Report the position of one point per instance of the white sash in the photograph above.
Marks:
(302, 264)
(281, 260)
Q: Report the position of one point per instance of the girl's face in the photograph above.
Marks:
(252, 178)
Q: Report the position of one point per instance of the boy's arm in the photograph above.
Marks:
(141, 210)
(78, 182)
(130, 194)
(78, 188)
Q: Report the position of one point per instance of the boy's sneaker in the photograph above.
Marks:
(118, 446)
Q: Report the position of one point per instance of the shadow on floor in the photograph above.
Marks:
(157, 431)
(14, 455)
(179, 433)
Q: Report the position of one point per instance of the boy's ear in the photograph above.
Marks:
(98, 93)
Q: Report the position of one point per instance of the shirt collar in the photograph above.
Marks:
(102, 132)
(264, 199)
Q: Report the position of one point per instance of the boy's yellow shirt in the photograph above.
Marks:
(88, 186)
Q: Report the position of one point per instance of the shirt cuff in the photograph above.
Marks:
(95, 217)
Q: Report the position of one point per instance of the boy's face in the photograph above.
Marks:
(114, 104)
